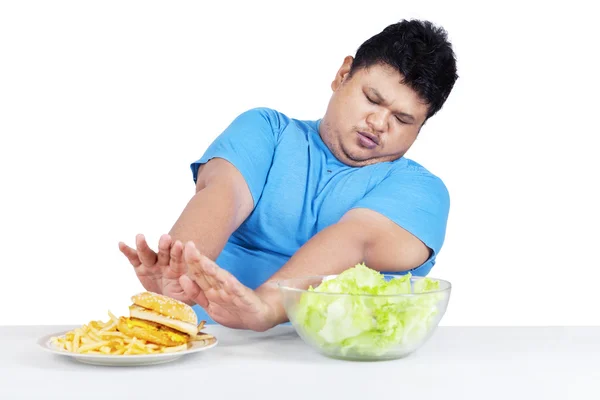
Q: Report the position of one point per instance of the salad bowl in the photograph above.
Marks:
(362, 314)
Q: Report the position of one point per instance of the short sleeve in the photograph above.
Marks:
(249, 144)
(417, 201)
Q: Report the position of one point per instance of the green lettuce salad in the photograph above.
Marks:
(368, 325)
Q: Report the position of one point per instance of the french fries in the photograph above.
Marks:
(98, 337)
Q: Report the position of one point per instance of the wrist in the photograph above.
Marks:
(270, 295)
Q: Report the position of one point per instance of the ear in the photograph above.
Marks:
(342, 73)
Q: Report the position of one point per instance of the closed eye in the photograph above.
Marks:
(401, 121)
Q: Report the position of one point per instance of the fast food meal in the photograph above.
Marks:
(156, 324)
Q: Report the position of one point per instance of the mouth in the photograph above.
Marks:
(368, 140)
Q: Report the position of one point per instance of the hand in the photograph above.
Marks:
(159, 272)
(224, 298)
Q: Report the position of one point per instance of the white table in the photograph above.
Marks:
(457, 363)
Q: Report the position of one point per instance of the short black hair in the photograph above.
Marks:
(420, 52)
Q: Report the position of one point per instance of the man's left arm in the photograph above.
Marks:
(361, 235)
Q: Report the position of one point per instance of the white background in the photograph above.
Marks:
(103, 106)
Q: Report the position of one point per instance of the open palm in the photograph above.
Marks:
(158, 272)
(224, 298)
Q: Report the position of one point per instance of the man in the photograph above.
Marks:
(278, 197)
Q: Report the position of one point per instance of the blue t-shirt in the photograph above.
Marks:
(299, 188)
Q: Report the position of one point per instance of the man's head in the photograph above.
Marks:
(398, 79)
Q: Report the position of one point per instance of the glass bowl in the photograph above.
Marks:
(364, 327)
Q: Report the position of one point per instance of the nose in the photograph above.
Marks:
(377, 120)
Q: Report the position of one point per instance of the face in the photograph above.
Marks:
(371, 116)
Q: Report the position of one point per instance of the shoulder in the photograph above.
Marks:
(277, 120)
(407, 174)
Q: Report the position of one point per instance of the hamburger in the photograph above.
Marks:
(160, 319)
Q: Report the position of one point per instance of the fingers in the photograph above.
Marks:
(164, 247)
(234, 287)
(131, 254)
(209, 276)
(193, 291)
(224, 278)
(146, 255)
(177, 263)
(197, 271)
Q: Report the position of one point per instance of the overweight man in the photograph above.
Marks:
(278, 197)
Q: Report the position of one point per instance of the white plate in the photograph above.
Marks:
(123, 360)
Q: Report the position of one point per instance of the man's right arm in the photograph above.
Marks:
(221, 204)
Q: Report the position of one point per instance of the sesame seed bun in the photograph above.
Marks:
(166, 306)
